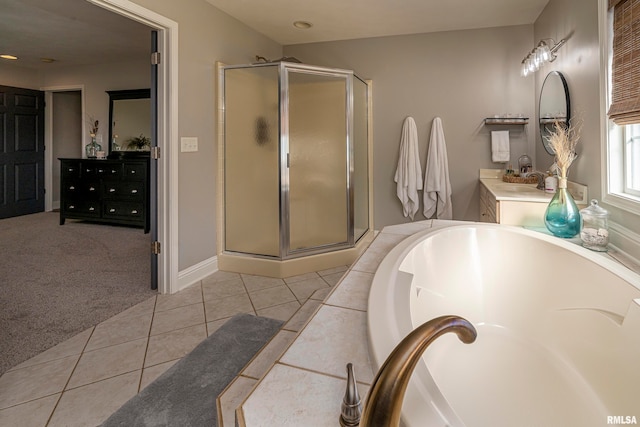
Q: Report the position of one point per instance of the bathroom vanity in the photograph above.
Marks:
(518, 204)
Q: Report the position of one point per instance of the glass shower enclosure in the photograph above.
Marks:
(296, 172)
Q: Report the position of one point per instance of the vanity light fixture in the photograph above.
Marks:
(543, 52)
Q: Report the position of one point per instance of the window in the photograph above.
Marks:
(620, 41)
(631, 154)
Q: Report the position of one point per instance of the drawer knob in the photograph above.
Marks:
(92, 189)
(112, 210)
(134, 211)
(72, 207)
(91, 209)
(114, 171)
(99, 170)
(112, 190)
(72, 188)
(134, 191)
(133, 172)
(87, 170)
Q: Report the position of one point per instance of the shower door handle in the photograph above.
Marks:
(288, 161)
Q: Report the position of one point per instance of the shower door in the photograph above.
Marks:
(316, 159)
(252, 187)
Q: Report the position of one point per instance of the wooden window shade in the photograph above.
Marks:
(625, 91)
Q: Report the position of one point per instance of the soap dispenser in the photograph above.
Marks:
(595, 227)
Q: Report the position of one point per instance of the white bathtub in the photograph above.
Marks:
(558, 329)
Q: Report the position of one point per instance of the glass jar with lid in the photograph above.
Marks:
(524, 164)
(595, 227)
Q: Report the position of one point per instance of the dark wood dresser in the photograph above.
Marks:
(110, 191)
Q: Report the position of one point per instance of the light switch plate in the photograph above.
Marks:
(188, 144)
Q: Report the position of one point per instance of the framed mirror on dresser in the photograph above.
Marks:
(129, 123)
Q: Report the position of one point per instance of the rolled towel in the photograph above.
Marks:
(500, 146)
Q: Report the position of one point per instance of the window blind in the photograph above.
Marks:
(625, 73)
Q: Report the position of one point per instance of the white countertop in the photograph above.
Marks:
(518, 192)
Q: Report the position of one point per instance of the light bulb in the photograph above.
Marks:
(545, 52)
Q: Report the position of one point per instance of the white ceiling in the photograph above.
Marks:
(73, 32)
(351, 19)
(76, 32)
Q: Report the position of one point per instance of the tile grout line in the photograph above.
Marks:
(66, 384)
(244, 285)
(146, 350)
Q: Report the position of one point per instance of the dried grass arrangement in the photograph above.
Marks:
(563, 139)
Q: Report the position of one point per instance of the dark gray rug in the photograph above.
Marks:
(186, 394)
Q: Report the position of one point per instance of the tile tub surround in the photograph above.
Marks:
(305, 386)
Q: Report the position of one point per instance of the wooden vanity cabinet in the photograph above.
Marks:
(109, 191)
(510, 212)
(489, 207)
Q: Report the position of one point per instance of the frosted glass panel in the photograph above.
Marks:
(360, 159)
(252, 191)
(318, 160)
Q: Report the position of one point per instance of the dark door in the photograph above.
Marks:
(153, 173)
(21, 151)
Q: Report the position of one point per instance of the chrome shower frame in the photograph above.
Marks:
(284, 70)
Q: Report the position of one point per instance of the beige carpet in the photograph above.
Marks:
(57, 281)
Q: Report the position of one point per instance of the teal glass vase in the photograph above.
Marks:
(562, 216)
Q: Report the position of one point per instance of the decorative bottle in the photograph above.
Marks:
(92, 148)
(562, 216)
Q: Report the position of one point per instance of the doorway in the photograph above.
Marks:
(66, 134)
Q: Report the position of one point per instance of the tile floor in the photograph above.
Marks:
(81, 381)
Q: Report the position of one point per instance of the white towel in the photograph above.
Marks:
(437, 187)
(500, 146)
(409, 172)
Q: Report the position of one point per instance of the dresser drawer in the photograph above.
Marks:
(123, 210)
(78, 189)
(135, 171)
(70, 170)
(109, 171)
(83, 208)
(129, 191)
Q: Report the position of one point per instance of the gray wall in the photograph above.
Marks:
(206, 35)
(579, 61)
(460, 76)
(97, 79)
(13, 75)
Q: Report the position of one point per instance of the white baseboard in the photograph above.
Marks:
(197, 272)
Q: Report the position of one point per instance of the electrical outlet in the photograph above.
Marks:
(188, 144)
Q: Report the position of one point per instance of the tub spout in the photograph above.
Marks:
(384, 402)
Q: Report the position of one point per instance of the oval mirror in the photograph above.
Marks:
(555, 106)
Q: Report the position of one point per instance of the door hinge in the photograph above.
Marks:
(155, 248)
(155, 58)
(155, 152)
